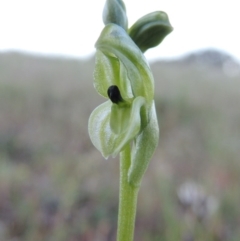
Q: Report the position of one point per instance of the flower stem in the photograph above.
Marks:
(127, 199)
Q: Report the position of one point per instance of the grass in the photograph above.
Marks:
(55, 186)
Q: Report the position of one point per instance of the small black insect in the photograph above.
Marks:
(114, 94)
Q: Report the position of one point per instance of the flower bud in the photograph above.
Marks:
(150, 30)
(115, 12)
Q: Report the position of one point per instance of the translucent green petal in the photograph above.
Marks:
(109, 71)
(101, 134)
(115, 42)
(145, 145)
(115, 12)
(99, 128)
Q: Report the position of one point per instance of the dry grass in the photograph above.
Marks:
(55, 186)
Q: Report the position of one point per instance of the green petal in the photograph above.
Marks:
(101, 134)
(99, 128)
(119, 119)
(133, 127)
(115, 12)
(109, 71)
(115, 42)
(150, 30)
(145, 145)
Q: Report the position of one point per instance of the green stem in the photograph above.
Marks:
(127, 199)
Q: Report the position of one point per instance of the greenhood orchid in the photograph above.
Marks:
(126, 123)
(123, 76)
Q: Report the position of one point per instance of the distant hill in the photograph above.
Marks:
(214, 59)
(210, 57)
(20, 66)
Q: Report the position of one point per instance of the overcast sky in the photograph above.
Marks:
(71, 27)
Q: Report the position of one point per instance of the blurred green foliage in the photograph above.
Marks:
(55, 186)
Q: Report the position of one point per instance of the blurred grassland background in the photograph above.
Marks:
(55, 186)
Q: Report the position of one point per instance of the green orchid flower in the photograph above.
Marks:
(123, 76)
